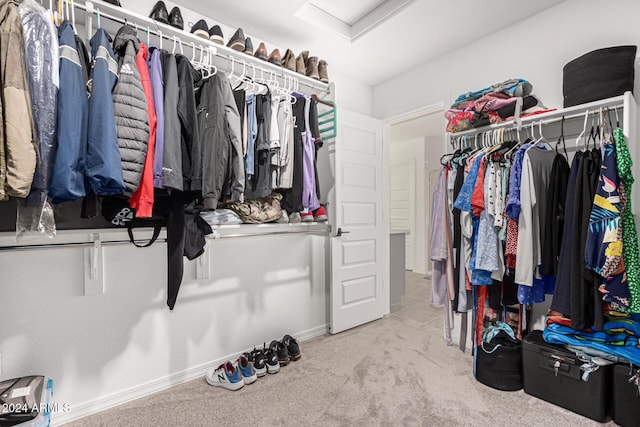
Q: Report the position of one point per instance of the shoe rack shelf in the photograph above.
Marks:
(181, 41)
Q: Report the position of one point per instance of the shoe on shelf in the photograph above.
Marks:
(300, 67)
(200, 29)
(271, 360)
(294, 218)
(249, 375)
(237, 40)
(248, 46)
(261, 52)
(159, 13)
(312, 68)
(114, 2)
(320, 214)
(284, 219)
(215, 34)
(289, 60)
(225, 375)
(259, 361)
(175, 18)
(305, 56)
(306, 216)
(292, 347)
(322, 71)
(281, 351)
(275, 58)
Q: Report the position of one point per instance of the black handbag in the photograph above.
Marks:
(600, 74)
(117, 211)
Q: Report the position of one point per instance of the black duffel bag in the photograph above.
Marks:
(600, 74)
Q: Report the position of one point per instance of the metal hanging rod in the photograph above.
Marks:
(69, 245)
(113, 13)
(216, 235)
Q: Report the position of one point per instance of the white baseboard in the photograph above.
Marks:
(136, 392)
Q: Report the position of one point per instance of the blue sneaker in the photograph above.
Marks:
(245, 367)
(226, 375)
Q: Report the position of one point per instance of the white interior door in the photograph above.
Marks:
(403, 206)
(360, 238)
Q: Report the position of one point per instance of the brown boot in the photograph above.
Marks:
(305, 56)
(312, 68)
(261, 52)
(300, 65)
(275, 57)
(289, 60)
(322, 71)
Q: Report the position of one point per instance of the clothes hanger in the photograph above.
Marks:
(584, 128)
(213, 69)
(562, 141)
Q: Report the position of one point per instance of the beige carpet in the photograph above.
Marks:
(395, 371)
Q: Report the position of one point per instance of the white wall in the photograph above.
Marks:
(535, 49)
(104, 349)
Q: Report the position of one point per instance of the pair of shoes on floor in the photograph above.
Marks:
(286, 350)
(201, 29)
(174, 18)
(319, 215)
(233, 375)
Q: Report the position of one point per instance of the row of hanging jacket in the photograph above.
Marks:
(512, 222)
(135, 123)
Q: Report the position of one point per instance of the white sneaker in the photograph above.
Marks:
(225, 375)
(284, 219)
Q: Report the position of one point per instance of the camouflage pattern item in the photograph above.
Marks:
(258, 211)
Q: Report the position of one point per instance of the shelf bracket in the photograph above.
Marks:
(203, 265)
(94, 267)
(88, 19)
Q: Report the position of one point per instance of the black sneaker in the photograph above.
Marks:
(237, 41)
(215, 34)
(175, 18)
(259, 361)
(292, 347)
(271, 360)
(248, 46)
(200, 29)
(281, 351)
(159, 13)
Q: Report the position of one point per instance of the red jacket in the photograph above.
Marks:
(142, 199)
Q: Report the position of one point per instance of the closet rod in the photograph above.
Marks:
(172, 34)
(216, 235)
(69, 245)
(270, 233)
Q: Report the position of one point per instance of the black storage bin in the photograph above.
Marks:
(552, 373)
(500, 368)
(599, 74)
(626, 396)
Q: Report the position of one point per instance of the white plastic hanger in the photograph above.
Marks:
(584, 128)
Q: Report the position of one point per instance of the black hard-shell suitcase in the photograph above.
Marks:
(626, 395)
(553, 373)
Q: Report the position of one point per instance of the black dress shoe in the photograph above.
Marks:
(114, 2)
(175, 18)
(159, 13)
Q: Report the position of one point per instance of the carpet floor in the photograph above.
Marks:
(394, 371)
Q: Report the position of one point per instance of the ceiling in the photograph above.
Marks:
(370, 40)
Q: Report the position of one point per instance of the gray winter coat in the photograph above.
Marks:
(130, 109)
